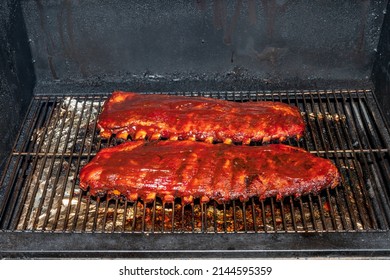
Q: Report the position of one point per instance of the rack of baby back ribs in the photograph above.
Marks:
(183, 167)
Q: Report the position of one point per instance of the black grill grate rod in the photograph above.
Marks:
(342, 162)
(46, 110)
(32, 121)
(342, 207)
(356, 125)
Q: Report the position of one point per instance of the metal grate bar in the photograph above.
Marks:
(380, 158)
(292, 213)
(355, 123)
(346, 164)
(313, 139)
(32, 113)
(45, 114)
(345, 206)
(346, 197)
(79, 197)
(365, 212)
(18, 165)
(254, 215)
(51, 166)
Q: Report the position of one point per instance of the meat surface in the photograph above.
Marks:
(189, 170)
(152, 116)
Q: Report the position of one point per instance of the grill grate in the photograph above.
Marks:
(39, 188)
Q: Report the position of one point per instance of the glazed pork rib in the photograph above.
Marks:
(189, 170)
(210, 120)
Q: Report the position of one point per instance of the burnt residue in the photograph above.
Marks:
(236, 79)
(252, 15)
(67, 42)
(66, 31)
(269, 51)
(49, 43)
(229, 16)
(221, 19)
(17, 77)
(219, 14)
(227, 39)
(273, 9)
(270, 8)
(381, 69)
(105, 43)
(361, 36)
(201, 4)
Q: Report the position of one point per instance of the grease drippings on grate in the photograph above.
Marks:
(62, 137)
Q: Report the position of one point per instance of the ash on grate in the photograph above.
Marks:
(60, 149)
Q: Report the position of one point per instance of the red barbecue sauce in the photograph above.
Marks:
(197, 118)
(190, 169)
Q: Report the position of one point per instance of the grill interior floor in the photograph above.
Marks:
(40, 184)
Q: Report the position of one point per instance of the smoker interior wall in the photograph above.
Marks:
(381, 70)
(16, 74)
(103, 45)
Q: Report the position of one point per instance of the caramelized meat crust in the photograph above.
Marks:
(152, 116)
(189, 170)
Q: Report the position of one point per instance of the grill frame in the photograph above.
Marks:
(371, 242)
(123, 245)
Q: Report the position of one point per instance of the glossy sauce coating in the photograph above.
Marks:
(187, 169)
(153, 116)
